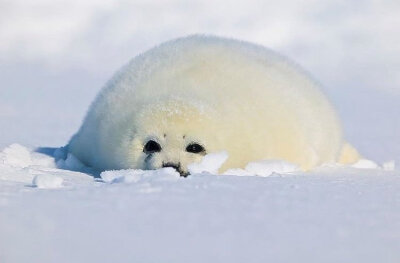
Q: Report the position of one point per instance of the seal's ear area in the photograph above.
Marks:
(152, 147)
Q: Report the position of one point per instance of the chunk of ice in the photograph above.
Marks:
(47, 181)
(268, 167)
(238, 172)
(71, 163)
(16, 155)
(389, 165)
(210, 163)
(135, 175)
(365, 164)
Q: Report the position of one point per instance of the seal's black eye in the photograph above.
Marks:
(195, 148)
(152, 147)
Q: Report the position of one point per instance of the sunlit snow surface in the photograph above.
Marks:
(334, 214)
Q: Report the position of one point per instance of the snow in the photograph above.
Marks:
(389, 165)
(47, 181)
(22, 166)
(333, 214)
(209, 164)
(70, 163)
(56, 56)
(268, 167)
(264, 168)
(135, 176)
(368, 164)
(212, 162)
(16, 155)
(365, 164)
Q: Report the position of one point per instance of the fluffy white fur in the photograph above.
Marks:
(221, 93)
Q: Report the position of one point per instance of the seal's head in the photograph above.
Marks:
(173, 134)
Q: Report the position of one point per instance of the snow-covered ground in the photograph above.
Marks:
(55, 56)
(334, 214)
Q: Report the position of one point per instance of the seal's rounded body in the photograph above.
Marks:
(184, 98)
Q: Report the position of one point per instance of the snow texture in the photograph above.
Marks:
(333, 214)
(264, 168)
(134, 176)
(47, 181)
(268, 167)
(209, 164)
(365, 164)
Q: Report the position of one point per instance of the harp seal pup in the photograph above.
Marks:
(171, 105)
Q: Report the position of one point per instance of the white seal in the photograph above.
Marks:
(200, 94)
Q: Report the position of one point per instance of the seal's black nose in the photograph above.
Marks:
(177, 167)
